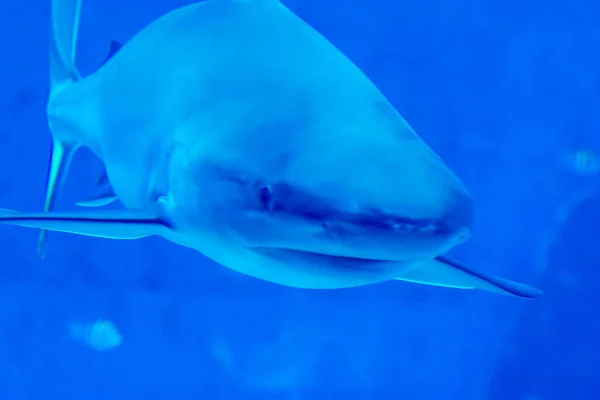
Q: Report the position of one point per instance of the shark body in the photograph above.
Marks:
(234, 128)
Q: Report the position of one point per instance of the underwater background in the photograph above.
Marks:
(507, 92)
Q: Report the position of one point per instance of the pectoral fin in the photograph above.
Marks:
(114, 48)
(105, 195)
(100, 200)
(446, 272)
(111, 224)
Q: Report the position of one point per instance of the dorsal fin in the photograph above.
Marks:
(64, 29)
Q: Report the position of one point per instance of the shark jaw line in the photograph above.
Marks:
(317, 254)
(359, 262)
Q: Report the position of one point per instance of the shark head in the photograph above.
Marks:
(291, 192)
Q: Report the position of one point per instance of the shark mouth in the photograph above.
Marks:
(285, 199)
(385, 222)
(407, 240)
(377, 221)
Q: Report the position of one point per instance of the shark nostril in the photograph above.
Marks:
(266, 198)
(463, 234)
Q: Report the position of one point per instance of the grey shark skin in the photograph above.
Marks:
(234, 128)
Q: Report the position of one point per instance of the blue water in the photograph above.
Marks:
(507, 92)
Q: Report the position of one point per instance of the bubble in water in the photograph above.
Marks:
(101, 335)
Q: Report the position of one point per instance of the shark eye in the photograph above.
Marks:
(266, 197)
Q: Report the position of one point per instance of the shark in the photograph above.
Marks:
(234, 128)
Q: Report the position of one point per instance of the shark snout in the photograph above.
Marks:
(403, 204)
(457, 218)
(419, 224)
